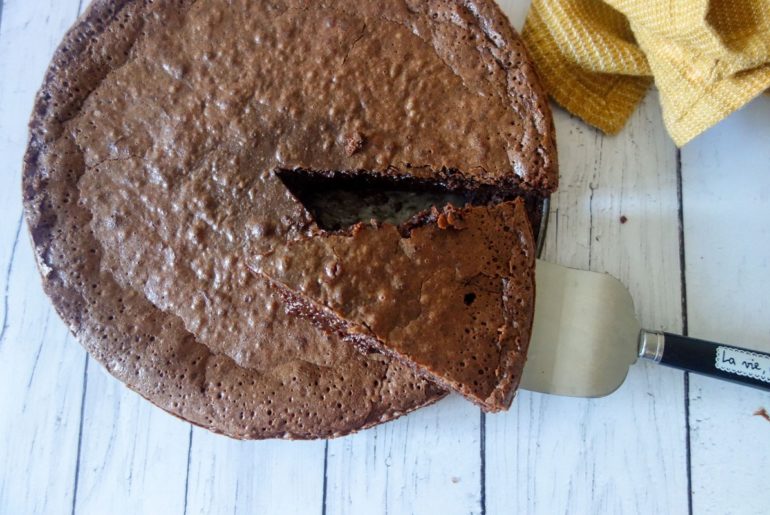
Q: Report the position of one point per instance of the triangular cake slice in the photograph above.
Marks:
(450, 293)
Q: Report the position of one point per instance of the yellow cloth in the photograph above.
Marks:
(598, 58)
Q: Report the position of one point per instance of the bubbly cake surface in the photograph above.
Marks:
(151, 174)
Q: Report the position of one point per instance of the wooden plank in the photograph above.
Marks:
(133, 456)
(41, 380)
(625, 453)
(41, 368)
(726, 194)
(227, 476)
(426, 462)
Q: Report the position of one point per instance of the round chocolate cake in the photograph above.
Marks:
(159, 151)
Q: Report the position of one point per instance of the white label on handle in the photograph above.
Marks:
(743, 363)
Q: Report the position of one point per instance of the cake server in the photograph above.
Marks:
(586, 336)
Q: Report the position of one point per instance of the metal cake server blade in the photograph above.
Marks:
(586, 336)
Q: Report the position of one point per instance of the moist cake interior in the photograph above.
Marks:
(339, 200)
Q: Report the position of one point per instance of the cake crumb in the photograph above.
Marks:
(762, 412)
(448, 217)
(354, 143)
(623, 219)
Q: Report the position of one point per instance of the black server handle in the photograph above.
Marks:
(726, 362)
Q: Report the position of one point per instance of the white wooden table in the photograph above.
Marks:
(693, 250)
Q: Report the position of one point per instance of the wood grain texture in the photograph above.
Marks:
(41, 380)
(133, 456)
(625, 453)
(227, 476)
(41, 368)
(726, 197)
(426, 462)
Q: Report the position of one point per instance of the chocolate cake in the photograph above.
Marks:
(453, 296)
(151, 177)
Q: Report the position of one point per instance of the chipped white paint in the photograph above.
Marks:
(72, 439)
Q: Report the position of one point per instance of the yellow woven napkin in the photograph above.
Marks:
(598, 58)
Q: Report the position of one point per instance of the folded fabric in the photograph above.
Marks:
(598, 58)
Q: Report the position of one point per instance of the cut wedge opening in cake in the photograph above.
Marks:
(440, 279)
(339, 200)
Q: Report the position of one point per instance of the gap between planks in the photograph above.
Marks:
(683, 286)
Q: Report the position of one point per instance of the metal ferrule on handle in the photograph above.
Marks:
(651, 345)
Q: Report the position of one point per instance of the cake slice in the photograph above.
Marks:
(449, 293)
